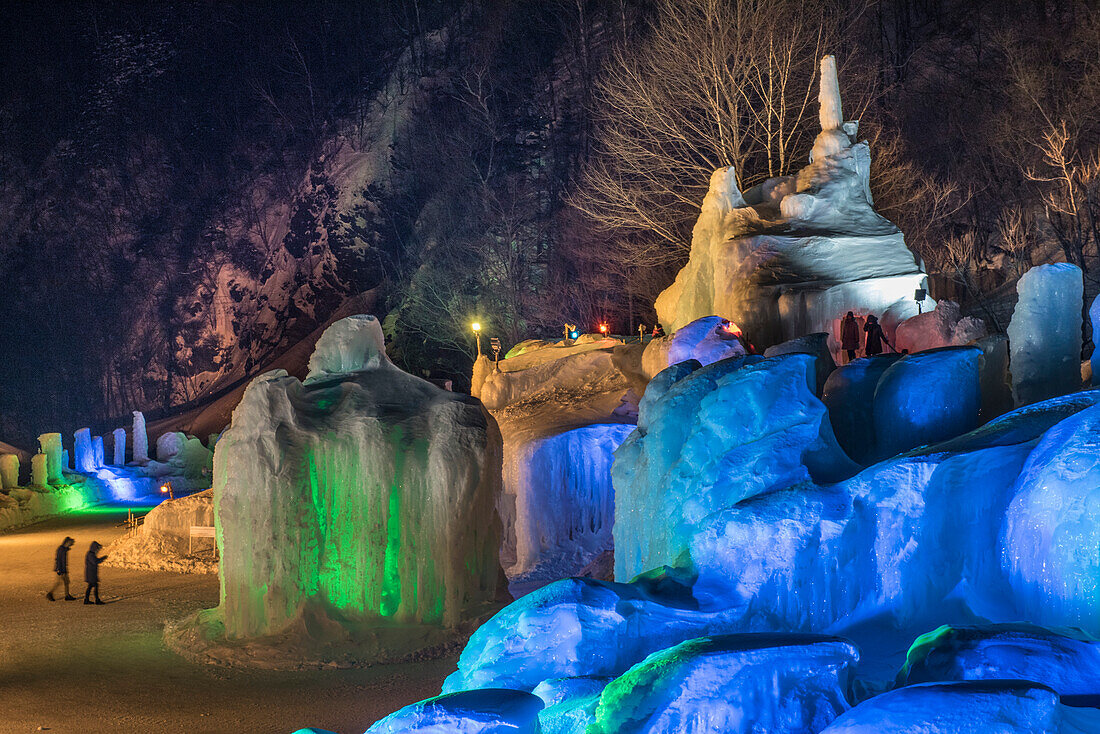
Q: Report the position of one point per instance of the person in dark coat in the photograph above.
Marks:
(849, 335)
(61, 568)
(875, 336)
(91, 572)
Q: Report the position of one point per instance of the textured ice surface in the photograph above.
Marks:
(486, 711)
(943, 326)
(1044, 335)
(724, 432)
(1094, 319)
(849, 394)
(706, 340)
(349, 345)
(975, 707)
(9, 471)
(39, 472)
(996, 383)
(355, 499)
(570, 703)
(98, 454)
(927, 397)
(781, 684)
(1067, 664)
(577, 627)
(793, 255)
(1051, 543)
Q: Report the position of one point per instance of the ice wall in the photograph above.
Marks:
(564, 502)
(1044, 335)
(39, 472)
(715, 436)
(51, 447)
(141, 439)
(849, 394)
(363, 498)
(1094, 319)
(98, 452)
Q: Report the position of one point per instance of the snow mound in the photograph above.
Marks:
(732, 683)
(720, 434)
(1065, 664)
(163, 542)
(973, 707)
(1044, 335)
(356, 506)
(943, 326)
(487, 711)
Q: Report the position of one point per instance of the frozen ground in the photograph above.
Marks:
(66, 667)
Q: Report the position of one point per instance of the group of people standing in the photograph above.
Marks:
(92, 559)
(849, 336)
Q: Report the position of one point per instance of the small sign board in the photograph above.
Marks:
(496, 348)
(202, 531)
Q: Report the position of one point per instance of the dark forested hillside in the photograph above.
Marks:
(189, 188)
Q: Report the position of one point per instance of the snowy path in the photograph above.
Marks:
(67, 667)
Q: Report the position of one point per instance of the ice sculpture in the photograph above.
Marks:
(719, 434)
(39, 472)
(562, 410)
(972, 707)
(794, 254)
(141, 439)
(119, 447)
(925, 398)
(747, 683)
(706, 340)
(98, 453)
(170, 444)
(51, 447)
(85, 453)
(357, 501)
(996, 382)
(1066, 664)
(849, 394)
(9, 471)
(488, 711)
(1044, 335)
(943, 326)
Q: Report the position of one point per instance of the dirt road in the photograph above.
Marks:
(67, 667)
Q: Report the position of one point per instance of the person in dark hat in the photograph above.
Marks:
(91, 572)
(61, 568)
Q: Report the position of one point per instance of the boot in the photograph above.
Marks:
(49, 595)
(100, 601)
(70, 597)
(88, 601)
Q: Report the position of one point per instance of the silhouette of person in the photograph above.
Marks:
(91, 572)
(849, 335)
(875, 336)
(61, 568)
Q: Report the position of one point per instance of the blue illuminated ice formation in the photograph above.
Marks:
(486, 711)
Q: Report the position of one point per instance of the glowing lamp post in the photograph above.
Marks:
(603, 329)
(166, 488)
(477, 335)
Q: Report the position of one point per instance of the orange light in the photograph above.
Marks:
(603, 328)
(732, 328)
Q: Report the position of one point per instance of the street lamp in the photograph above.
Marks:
(477, 335)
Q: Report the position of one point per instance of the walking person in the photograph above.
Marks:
(875, 336)
(849, 335)
(61, 568)
(91, 572)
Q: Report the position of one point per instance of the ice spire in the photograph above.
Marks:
(830, 114)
